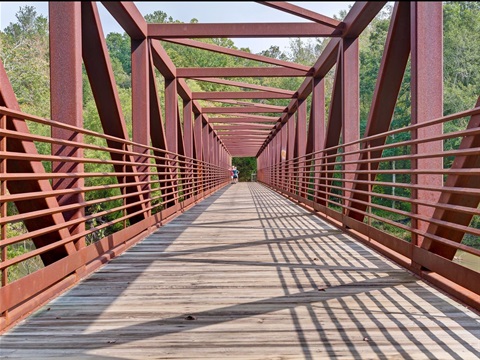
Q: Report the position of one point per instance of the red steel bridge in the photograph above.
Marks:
(315, 175)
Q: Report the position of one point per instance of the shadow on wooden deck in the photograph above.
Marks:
(246, 274)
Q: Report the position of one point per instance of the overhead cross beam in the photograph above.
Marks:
(239, 72)
(220, 95)
(242, 30)
(237, 53)
(245, 85)
(304, 13)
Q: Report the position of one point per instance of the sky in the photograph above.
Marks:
(203, 11)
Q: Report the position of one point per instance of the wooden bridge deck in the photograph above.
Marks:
(247, 274)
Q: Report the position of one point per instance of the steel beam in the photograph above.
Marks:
(217, 95)
(66, 99)
(351, 108)
(300, 146)
(102, 81)
(188, 127)
(141, 109)
(301, 12)
(237, 53)
(316, 133)
(162, 61)
(246, 85)
(252, 104)
(241, 127)
(290, 150)
(241, 30)
(357, 19)
(389, 81)
(227, 120)
(235, 109)
(427, 99)
(129, 18)
(457, 181)
(8, 99)
(208, 72)
(157, 134)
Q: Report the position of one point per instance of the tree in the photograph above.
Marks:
(119, 48)
(461, 55)
(24, 54)
(246, 166)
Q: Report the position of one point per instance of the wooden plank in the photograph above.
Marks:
(260, 278)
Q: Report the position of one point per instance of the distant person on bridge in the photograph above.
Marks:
(235, 174)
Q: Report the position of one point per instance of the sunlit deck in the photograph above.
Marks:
(248, 274)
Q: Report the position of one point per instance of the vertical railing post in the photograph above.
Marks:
(198, 124)
(141, 114)
(206, 157)
(3, 205)
(350, 112)
(370, 178)
(300, 144)
(283, 158)
(66, 99)
(188, 140)
(427, 103)
(171, 132)
(318, 132)
(124, 182)
(290, 151)
(67, 103)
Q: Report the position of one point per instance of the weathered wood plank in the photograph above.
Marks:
(260, 279)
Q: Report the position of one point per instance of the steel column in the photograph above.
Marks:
(171, 130)
(141, 108)
(427, 99)
(300, 147)
(8, 99)
(290, 151)
(391, 72)
(67, 102)
(102, 81)
(316, 133)
(351, 107)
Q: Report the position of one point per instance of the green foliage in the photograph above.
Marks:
(462, 56)
(246, 167)
(119, 49)
(24, 54)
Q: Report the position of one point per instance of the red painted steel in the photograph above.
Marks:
(392, 69)
(140, 105)
(172, 162)
(66, 101)
(427, 94)
(216, 95)
(462, 180)
(102, 81)
(246, 85)
(249, 30)
(351, 106)
(244, 109)
(239, 72)
(275, 108)
(304, 13)
(128, 17)
(237, 53)
(247, 118)
(31, 184)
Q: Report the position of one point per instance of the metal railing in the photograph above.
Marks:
(123, 193)
(425, 217)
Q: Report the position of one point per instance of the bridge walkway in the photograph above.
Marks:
(247, 274)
